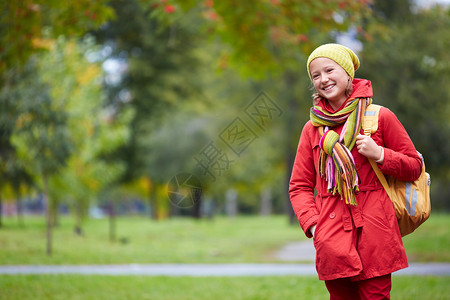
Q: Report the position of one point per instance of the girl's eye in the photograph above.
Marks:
(330, 70)
(315, 76)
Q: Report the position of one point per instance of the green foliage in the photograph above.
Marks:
(398, 10)
(14, 176)
(40, 123)
(173, 50)
(268, 35)
(263, 39)
(408, 65)
(22, 24)
(27, 28)
(63, 129)
(182, 84)
(161, 81)
(95, 129)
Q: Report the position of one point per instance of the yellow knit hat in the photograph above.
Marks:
(342, 55)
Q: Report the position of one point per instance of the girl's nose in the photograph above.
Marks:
(324, 78)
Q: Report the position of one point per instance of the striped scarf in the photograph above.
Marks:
(336, 163)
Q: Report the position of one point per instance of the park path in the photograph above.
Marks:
(302, 251)
(437, 269)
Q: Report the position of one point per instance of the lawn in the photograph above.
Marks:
(80, 287)
(431, 241)
(140, 240)
(183, 240)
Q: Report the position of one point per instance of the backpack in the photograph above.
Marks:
(411, 200)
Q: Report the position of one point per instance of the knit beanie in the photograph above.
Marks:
(342, 55)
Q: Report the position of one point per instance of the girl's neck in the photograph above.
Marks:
(337, 105)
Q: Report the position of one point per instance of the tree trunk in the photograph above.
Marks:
(266, 202)
(47, 215)
(151, 203)
(290, 211)
(78, 216)
(161, 203)
(196, 212)
(54, 213)
(289, 80)
(1, 210)
(150, 193)
(19, 207)
(112, 222)
(231, 207)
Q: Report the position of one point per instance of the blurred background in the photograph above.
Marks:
(159, 109)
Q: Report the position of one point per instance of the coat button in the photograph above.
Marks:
(332, 215)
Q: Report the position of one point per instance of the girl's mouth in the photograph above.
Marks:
(329, 87)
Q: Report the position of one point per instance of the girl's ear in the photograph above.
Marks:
(349, 88)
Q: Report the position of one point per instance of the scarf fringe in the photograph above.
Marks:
(336, 163)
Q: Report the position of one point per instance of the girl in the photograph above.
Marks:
(351, 219)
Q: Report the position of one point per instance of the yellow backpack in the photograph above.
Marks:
(411, 200)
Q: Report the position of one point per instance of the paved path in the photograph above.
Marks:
(302, 251)
(294, 252)
(206, 269)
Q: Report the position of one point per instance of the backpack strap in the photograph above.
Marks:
(381, 177)
(370, 125)
(370, 119)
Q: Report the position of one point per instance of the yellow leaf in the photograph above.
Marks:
(88, 75)
(42, 43)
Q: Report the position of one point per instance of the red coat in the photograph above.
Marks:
(360, 241)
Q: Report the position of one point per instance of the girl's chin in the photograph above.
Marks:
(333, 97)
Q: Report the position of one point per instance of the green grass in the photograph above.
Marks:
(140, 240)
(72, 287)
(183, 240)
(221, 240)
(431, 241)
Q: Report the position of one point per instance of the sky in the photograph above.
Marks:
(426, 3)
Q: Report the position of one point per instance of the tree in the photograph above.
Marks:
(25, 27)
(70, 128)
(269, 39)
(14, 176)
(96, 130)
(408, 64)
(267, 35)
(160, 77)
(40, 136)
(24, 23)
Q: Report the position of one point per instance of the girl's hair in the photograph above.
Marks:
(348, 91)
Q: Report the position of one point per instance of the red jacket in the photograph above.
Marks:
(360, 241)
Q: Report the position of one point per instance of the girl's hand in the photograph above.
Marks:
(367, 147)
(312, 229)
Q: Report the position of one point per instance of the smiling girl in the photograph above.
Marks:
(350, 217)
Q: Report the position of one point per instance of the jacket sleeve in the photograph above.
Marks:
(303, 181)
(401, 159)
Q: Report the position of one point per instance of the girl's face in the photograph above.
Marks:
(330, 80)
